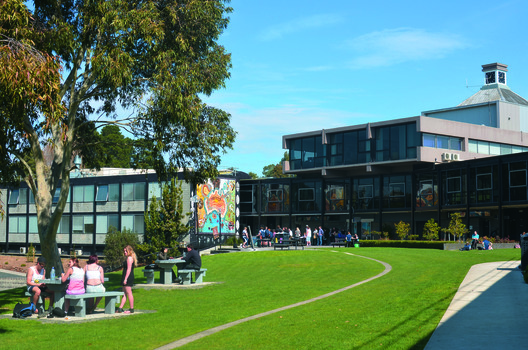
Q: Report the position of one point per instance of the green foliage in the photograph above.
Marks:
(275, 170)
(30, 255)
(155, 59)
(117, 150)
(164, 225)
(430, 230)
(253, 175)
(456, 227)
(402, 229)
(115, 241)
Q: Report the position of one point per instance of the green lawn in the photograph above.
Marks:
(398, 311)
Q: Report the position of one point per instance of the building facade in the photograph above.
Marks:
(365, 178)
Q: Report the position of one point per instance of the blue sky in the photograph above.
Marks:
(308, 65)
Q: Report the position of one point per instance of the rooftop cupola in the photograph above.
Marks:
(494, 73)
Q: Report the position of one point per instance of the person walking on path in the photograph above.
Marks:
(127, 279)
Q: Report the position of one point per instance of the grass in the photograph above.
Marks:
(399, 310)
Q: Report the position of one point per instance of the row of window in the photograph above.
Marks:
(482, 184)
(99, 193)
(355, 147)
(80, 224)
(492, 148)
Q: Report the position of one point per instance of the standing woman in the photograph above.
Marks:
(127, 279)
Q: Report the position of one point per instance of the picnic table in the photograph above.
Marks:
(58, 287)
(166, 269)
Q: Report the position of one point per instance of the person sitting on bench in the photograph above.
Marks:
(192, 259)
(164, 255)
(34, 275)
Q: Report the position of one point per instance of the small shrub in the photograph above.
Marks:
(7, 263)
(23, 265)
(115, 241)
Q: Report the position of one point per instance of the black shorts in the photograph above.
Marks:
(42, 289)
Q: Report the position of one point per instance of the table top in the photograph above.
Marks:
(50, 281)
(170, 261)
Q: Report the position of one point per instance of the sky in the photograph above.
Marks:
(303, 65)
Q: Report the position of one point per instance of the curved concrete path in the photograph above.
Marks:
(210, 331)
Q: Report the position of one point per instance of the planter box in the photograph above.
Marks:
(458, 245)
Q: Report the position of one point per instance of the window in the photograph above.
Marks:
(107, 193)
(365, 191)
(104, 222)
(426, 194)
(17, 224)
(484, 182)
(306, 194)
(64, 225)
(18, 196)
(397, 190)
(518, 185)
(33, 224)
(134, 191)
(83, 224)
(442, 142)
(155, 189)
(83, 194)
(135, 223)
(453, 185)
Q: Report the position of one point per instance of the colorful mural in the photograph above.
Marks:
(216, 207)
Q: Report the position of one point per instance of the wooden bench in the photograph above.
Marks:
(79, 301)
(186, 276)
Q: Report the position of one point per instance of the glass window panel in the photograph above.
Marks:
(128, 192)
(453, 184)
(127, 222)
(517, 149)
(33, 224)
(101, 223)
(506, 149)
(78, 224)
(88, 193)
(484, 182)
(397, 190)
(306, 194)
(429, 140)
(365, 191)
(78, 194)
(22, 197)
(517, 178)
(139, 224)
(113, 192)
(154, 190)
(113, 221)
(483, 147)
(139, 191)
(472, 146)
(455, 143)
(13, 197)
(88, 224)
(494, 149)
(442, 142)
(64, 225)
(102, 193)
(56, 195)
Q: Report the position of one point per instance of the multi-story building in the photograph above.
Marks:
(365, 178)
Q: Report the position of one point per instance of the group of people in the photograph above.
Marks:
(89, 279)
(192, 259)
(485, 244)
(316, 236)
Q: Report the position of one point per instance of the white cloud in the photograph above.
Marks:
(298, 25)
(394, 46)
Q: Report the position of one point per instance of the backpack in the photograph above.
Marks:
(23, 310)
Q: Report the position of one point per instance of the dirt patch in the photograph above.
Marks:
(20, 263)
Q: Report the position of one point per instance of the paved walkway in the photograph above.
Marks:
(489, 311)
